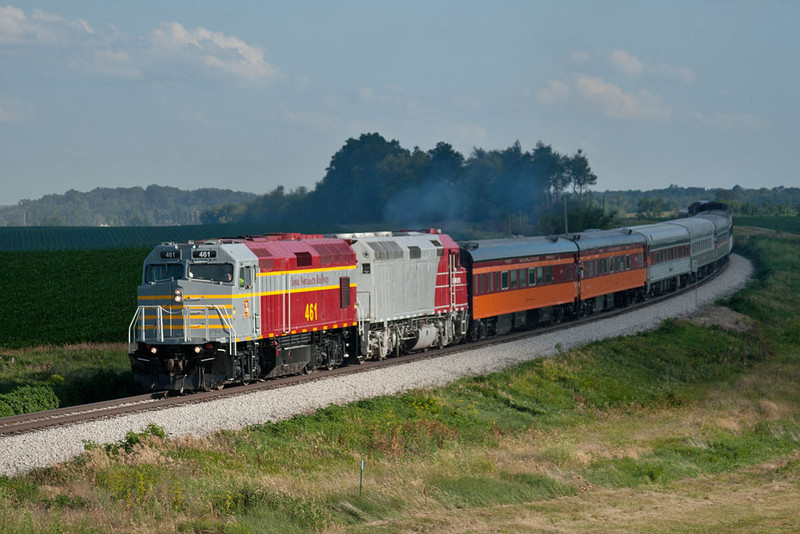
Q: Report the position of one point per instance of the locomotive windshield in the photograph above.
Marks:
(159, 272)
(215, 272)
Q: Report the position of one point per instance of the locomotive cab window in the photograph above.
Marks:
(245, 277)
(160, 272)
(213, 272)
(365, 268)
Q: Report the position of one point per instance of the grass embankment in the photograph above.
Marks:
(683, 428)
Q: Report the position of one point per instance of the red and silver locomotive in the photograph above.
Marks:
(215, 312)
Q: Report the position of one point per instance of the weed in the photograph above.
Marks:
(129, 442)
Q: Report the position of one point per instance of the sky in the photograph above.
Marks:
(249, 95)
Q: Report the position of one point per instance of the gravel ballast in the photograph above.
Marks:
(21, 453)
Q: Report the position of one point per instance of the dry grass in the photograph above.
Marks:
(728, 503)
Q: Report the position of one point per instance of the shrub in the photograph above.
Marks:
(27, 399)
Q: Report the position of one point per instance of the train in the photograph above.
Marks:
(215, 312)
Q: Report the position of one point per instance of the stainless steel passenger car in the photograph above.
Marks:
(723, 233)
(702, 249)
(669, 262)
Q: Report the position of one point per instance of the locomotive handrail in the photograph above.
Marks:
(139, 323)
(130, 326)
(223, 318)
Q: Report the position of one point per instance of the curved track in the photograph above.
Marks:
(20, 424)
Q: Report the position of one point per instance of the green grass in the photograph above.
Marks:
(504, 488)
(784, 224)
(74, 374)
(674, 458)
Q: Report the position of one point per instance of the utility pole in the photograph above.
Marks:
(566, 230)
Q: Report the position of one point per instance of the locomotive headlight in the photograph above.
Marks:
(153, 350)
(197, 349)
(178, 296)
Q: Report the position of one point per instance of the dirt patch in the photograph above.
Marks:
(723, 317)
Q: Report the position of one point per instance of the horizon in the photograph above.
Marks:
(591, 191)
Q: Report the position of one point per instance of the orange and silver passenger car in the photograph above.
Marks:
(524, 281)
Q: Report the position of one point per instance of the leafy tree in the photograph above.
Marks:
(350, 191)
(580, 174)
(446, 164)
(550, 172)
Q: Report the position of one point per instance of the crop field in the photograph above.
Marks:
(56, 298)
(686, 428)
(35, 238)
(784, 224)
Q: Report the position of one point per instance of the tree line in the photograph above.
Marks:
(135, 206)
(373, 180)
(660, 203)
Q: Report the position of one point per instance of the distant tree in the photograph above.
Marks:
(580, 174)
(446, 163)
(549, 171)
(350, 191)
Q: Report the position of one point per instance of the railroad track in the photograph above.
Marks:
(20, 424)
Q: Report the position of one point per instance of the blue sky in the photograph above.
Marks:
(250, 95)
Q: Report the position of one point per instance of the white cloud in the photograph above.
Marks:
(108, 53)
(51, 18)
(732, 121)
(632, 66)
(15, 26)
(41, 28)
(618, 104)
(213, 49)
(553, 92)
(627, 63)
